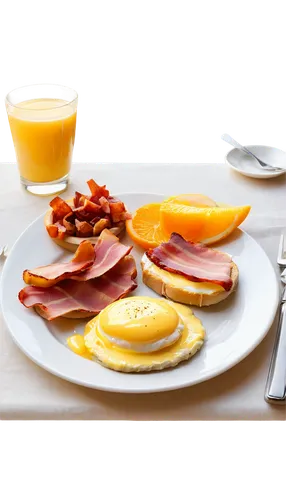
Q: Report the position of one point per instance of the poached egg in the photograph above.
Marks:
(139, 334)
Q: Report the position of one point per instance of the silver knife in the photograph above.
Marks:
(275, 391)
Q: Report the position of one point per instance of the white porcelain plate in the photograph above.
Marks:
(234, 327)
(248, 166)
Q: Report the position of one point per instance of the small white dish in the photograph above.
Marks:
(233, 327)
(248, 166)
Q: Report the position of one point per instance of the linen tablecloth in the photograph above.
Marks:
(29, 392)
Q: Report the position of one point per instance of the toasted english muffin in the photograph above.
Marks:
(180, 289)
(71, 315)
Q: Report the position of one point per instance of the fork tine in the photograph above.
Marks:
(4, 251)
(281, 248)
(284, 248)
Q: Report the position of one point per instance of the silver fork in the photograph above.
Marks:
(275, 391)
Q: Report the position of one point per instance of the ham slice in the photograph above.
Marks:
(193, 260)
(47, 276)
(108, 252)
(85, 297)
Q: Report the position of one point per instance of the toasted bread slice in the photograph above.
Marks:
(180, 289)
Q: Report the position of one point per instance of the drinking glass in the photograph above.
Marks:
(43, 122)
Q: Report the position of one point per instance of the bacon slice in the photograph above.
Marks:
(192, 260)
(108, 252)
(88, 297)
(48, 276)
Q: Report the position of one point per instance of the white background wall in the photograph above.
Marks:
(84, 100)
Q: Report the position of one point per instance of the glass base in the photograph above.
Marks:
(46, 188)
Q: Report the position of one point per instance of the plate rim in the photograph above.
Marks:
(177, 385)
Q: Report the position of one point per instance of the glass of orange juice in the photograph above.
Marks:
(43, 121)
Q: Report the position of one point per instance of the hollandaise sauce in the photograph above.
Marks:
(140, 334)
(77, 345)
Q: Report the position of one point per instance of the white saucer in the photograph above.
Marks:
(246, 165)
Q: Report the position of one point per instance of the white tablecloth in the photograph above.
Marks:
(29, 392)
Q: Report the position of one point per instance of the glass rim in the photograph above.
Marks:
(42, 85)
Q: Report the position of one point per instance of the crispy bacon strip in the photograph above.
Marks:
(48, 276)
(108, 252)
(91, 296)
(192, 260)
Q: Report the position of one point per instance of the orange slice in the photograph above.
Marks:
(193, 200)
(144, 227)
(206, 225)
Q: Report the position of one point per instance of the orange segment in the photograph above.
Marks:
(193, 200)
(206, 225)
(144, 227)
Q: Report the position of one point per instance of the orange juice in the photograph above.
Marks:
(43, 132)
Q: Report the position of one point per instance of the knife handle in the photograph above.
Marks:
(275, 391)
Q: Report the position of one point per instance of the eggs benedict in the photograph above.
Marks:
(140, 334)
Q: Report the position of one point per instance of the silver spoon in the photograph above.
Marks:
(231, 141)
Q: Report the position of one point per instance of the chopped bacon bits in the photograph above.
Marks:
(99, 226)
(89, 206)
(104, 204)
(89, 215)
(60, 208)
(77, 201)
(83, 229)
(69, 223)
(96, 190)
(61, 230)
(52, 230)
